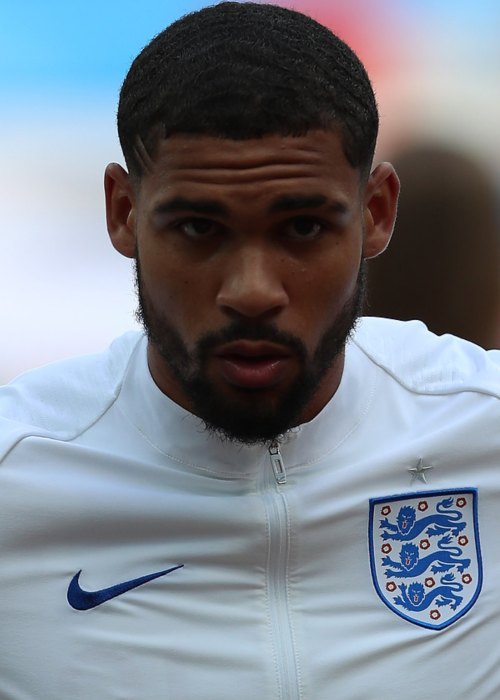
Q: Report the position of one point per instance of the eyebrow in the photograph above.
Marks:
(200, 206)
(284, 203)
(292, 202)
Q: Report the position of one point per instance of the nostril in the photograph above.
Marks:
(236, 312)
(255, 301)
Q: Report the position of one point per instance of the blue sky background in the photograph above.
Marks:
(84, 44)
(80, 44)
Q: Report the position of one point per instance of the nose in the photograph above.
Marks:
(252, 284)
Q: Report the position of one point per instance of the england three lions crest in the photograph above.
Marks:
(425, 556)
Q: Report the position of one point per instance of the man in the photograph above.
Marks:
(259, 498)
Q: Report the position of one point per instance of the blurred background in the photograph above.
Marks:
(436, 72)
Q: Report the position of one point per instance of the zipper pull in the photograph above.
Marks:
(277, 462)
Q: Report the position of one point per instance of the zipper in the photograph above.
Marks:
(277, 462)
(277, 578)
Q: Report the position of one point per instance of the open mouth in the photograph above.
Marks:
(253, 365)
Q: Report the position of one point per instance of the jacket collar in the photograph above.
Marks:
(180, 435)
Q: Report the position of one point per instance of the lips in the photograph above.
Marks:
(253, 365)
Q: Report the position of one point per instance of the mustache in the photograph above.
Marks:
(249, 330)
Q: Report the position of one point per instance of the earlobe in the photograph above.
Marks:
(120, 209)
(381, 199)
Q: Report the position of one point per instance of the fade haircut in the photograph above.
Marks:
(246, 70)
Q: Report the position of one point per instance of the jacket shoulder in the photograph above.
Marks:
(427, 363)
(61, 399)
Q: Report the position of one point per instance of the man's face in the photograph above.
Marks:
(248, 258)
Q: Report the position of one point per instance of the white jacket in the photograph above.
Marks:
(141, 558)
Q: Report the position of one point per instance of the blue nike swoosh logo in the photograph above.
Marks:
(85, 600)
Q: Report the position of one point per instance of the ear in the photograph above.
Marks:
(381, 200)
(120, 209)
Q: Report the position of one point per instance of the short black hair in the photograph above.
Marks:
(245, 70)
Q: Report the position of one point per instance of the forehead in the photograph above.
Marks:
(251, 168)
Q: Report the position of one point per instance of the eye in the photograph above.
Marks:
(304, 227)
(196, 228)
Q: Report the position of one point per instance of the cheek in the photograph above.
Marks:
(322, 291)
(179, 293)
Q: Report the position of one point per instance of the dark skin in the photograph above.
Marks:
(268, 230)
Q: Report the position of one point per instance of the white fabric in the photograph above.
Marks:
(101, 472)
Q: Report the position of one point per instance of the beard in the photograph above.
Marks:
(249, 418)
